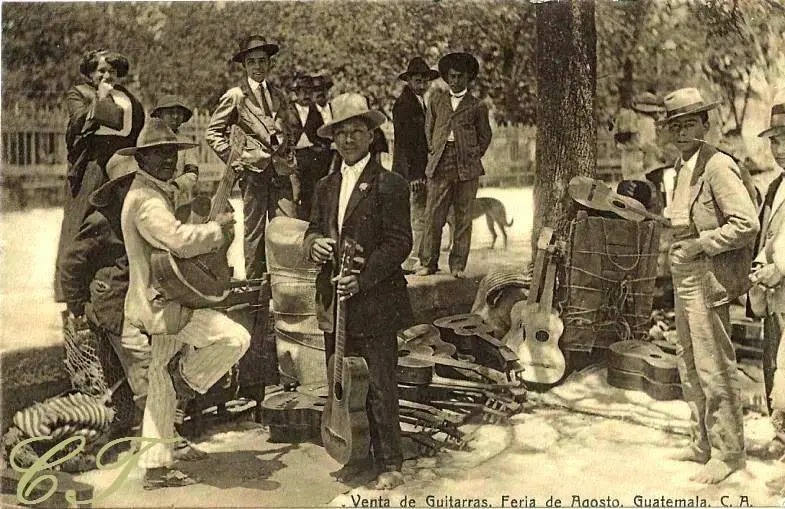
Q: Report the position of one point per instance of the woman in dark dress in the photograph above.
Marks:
(103, 117)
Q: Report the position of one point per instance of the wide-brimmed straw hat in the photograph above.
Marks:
(347, 106)
(156, 133)
(648, 103)
(418, 67)
(253, 42)
(777, 123)
(461, 61)
(683, 102)
(172, 101)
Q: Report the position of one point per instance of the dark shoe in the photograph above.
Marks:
(424, 271)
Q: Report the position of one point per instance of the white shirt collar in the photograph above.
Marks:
(321, 108)
(256, 84)
(357, 167)
(692, 160)
(458, 95)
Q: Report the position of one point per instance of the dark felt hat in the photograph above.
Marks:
(172, 101)
(253, 42)
(461, 61)
(321, 82)
(777, 123)
(418, 66)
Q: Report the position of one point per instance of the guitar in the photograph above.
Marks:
(642, 366)
(598, 196)
(293, 417)
(203, 280)
(344, 428)
(536, 327)
(471, 335)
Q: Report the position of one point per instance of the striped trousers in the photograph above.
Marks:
(218, 341)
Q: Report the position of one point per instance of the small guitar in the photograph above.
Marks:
(293, 417)
(203, 280)
(344, 428)
(598, 196)
(536, 327)
(642, 366)
(471, 335)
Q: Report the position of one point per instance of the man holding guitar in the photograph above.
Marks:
(148, 223)
(364, 202)
(714, 222)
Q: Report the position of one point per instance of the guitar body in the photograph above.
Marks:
(293, 417)
(198, 282)
(344, 427)
(470, 335)
(642, 366)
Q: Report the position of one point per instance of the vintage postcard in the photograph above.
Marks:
(421, 254)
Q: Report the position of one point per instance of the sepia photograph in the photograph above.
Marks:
(373, 253)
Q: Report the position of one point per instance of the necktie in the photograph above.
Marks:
(261, 96)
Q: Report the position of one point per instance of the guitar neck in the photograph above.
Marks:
(221, 198)
(546, 302)
(340, 340)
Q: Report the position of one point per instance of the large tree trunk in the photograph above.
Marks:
(566, 125)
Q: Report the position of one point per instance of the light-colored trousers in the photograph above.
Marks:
(708, 372)
(219, 343)
(774, 360)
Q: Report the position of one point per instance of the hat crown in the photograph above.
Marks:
(156, 132)
(682, 99)
(417, 65)
(252, 41)
(348, 105)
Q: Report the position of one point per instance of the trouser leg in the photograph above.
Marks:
(463, 204)
(771, 345)
(440, 196)
(255, 188)
(417, 202)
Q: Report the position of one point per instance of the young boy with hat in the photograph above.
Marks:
(410, 152)
(714, 221)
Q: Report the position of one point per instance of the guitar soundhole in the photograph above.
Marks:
(620, 204)
(338, 391)
(542, 336)
(656, 356)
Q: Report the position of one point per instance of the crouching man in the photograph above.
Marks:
(148, 223)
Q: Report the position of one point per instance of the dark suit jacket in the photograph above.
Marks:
(471, 125)
(313, 122)
(377, 217)
(410, 152)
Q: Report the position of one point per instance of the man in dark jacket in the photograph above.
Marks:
(410, 152)
(363, 201)
(458, 130)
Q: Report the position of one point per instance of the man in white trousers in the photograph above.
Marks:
(148, 223)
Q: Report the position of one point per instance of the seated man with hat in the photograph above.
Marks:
(458, 131)
(148, 223)
(714, 221)
(365, 202)
(265, 114)
(767, 296)
(410, 152)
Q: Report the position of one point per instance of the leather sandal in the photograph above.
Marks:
(157, 478)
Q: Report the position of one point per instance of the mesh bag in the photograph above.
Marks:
(610, 275)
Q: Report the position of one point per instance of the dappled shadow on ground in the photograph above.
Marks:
(240, 469)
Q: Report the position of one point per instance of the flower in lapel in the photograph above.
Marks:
(364, 187)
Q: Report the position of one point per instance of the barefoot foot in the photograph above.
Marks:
(389, 480)
(690, 454)
(714, 472)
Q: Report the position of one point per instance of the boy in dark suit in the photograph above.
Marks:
(363, 201)
(458, 130)
(410, 152)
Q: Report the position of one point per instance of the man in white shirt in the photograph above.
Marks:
(714, 226)
(369, 204)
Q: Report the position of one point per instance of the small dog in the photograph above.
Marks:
(494, 212)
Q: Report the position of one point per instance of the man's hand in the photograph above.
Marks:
(417, 186)
(225, 221)
(767, 276)
(686, 250)
(347, 286)
(322, 249)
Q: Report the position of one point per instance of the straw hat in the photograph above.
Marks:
(648, 103)
(683, 102)
(347, 106)
(156, 133)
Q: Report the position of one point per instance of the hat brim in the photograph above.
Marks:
(648, 108)
(181, 145)
(460, 60)
(102, 195)
(188, 112)
(705, 107)
(374, 117)
(772, 131)
(269, 48)
(430, 75)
